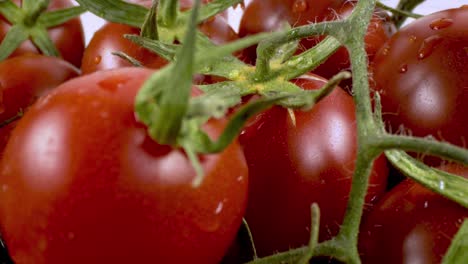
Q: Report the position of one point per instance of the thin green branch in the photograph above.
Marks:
(58, 17)
(398, 12)
(420, 145)
(405, 6)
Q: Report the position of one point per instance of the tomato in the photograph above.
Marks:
(68, 37)
(268, 15)
(422, 77)
(25, 78)
(94, 188)
(411, 224)
(292, 165)
(98, 55)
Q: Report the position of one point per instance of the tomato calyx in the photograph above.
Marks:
(31, 20)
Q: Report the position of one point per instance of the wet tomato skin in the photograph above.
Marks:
(422, 77)
(95, 188)
(69, 37)
(25, 78)
(291, 165)
(411, 224)
(109, 38)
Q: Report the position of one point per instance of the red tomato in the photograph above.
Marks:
(292, 165)
(422, 76)
(94, 188)
(98, 55)
(268, 15)
(411, 224)
(25, 78)
(68, 38)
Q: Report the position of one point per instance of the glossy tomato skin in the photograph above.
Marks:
(268, 15)
(422, 77)
(108, 39)
(411, 224)
(68, 38)
(292, 166)
(94, 188)
(25, 78)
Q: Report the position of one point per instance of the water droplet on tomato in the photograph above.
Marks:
(42, 244)
(219, 209)
(111, 85)
(412, 38)
(97, 60)
(441, 23)
(428, 46)
(403, 68)
(4, 187)
(386, 50)
(299, 6)
(70, 235)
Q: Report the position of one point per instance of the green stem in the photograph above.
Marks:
(267, 49)
(34, 11)
(398, 12)
(168, 11)
(405, 6)
(421, 145)
(314, 234)
(458, 250)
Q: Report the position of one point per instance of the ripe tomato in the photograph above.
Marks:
(292, 165)
(68, 38)
(422, 76)
(25, 78)
(98, 55)
(94, 188)
(268, 15)
(411, 224)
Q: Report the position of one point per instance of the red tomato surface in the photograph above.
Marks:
(293, 165)
(25, 78)
(68, 38)
(109, 38)
(82, 182)
(269, 15)
(411, 224)
(422, 76)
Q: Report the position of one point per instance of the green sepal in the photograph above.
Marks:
(165, 50)
(150, 27)
(168, 12)
(446, 184)
(214, 7)
(116, 11)
(457, 253)
(11, 12)
(58, 17)
(40, 37)
(34, 9)
(15, 36)
(128, 58)
(202, 142)
(285, 51)
(164, 119)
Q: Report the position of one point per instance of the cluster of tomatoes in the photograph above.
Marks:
(81, 181)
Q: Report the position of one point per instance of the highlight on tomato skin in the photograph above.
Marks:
(94, 188)
(69, 37)
(25, 78)
(421, 75)
(296, 161)
(411, 224)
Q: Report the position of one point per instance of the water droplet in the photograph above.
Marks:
(441, 185)
(428, 46)
(219, 209)
(386, 50)
(97, 60)
(104, 114)
(299, 6)
(111, 85)
(441, 23)
(403, 68)
(412, 38)
(234, 75)
(71, 235)
(4, 187)
(426, 204)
